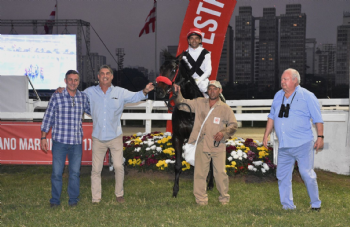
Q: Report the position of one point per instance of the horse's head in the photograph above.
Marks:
(168, 74)
(176, 70)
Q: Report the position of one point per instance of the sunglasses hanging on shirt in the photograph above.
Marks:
(284, 111)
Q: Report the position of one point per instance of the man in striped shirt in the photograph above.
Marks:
(64, 115)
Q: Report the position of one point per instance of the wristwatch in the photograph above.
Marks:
(321, 137)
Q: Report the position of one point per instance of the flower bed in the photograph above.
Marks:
(154, 151)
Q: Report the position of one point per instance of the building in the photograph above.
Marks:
(267, 51)
(225, 70)
(91, 65)
(310, 48)
(292, 40)
(244, 46)
(343, 51)
(257, 77)
(325, 59)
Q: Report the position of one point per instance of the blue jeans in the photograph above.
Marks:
(59, 153)
(304, 154)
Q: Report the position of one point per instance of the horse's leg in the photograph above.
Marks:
(177, 144)
(210, 178)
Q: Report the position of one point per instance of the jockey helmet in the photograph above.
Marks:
(194, 31)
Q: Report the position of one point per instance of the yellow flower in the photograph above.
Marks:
(162, 164)
(159, 141)
(164, 140)
(233, 165)
(186, 164)
(263, 154)
(159, 163)
(134, 162)
(262, 148)
(123, 148)
(169, 151)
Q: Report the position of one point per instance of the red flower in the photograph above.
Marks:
(230, 148)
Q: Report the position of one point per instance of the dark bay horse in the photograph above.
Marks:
(175, 70)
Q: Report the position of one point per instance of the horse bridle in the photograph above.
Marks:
(175, 69)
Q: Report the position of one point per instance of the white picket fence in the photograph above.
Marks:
(240, 107)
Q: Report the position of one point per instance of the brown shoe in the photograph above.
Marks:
(120, 199)
(202, 203)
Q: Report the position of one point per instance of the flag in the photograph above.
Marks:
(150, 20)
(50, 22)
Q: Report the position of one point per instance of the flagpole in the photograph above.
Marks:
(57, 15)
(155, 44)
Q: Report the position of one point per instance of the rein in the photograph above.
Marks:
(177, 72)
(170, 83)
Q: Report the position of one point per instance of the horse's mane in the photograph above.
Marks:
(167, 55)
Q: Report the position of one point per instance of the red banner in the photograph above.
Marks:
(20, 144)
(212, 18)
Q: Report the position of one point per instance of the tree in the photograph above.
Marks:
(131, 79)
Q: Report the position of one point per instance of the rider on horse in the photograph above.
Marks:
(198, 59)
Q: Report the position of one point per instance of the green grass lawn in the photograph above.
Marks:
(26, 190)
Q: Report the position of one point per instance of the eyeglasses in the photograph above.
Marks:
(73, 101)
(284, 111)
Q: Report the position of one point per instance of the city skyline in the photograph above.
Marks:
(105, 17)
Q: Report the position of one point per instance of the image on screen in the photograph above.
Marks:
(45, 59)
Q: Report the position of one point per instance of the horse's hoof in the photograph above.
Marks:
(174, 195)
(209, 188)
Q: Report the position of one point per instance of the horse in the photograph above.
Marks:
(176, 70)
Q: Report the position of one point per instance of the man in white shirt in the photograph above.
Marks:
(198, 59)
